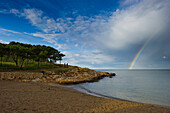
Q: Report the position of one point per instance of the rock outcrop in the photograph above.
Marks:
(82, 75)
(74, 76)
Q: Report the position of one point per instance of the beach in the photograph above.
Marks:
(36, 97)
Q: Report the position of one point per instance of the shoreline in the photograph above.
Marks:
(89, 92)
(86, 91)
(39, 97)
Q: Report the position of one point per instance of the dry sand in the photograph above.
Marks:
(20, 97)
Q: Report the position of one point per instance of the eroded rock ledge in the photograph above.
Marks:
(74, 76)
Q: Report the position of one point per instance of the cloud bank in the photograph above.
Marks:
(125, 29)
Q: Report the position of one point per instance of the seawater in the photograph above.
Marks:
(144, 86)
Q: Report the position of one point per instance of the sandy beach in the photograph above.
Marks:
(29, 97)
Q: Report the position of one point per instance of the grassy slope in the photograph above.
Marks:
(33, 67)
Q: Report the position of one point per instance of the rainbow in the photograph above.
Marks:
(138, 54)
(142, 48)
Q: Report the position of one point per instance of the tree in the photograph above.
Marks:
(37, 50)
(23, 51)
(19, 52)
(14, 52)
(2, 51)
(60, 57)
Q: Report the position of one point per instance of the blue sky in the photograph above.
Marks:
(92, 33)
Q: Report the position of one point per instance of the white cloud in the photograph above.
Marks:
(45, 36)
(61, 46)
(51, 38)
(5, 31)
(4, 42)
(77, 55)
(135, 24)
(123, 30)
(125, 27)
(51, 28)
(37, 18)
(128, 2)
(76, 45)
(44, 23)
(16, 12)
(89, 58)
(164, 57)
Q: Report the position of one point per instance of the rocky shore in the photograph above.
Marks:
(73, 76)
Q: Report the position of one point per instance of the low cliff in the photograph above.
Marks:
(73, 76)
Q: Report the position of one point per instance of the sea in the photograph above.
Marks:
(151, 86)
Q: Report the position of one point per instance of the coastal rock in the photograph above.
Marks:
(36, 80)
(81, 75)
(26, 80)
(55, 76)
(44, 79)
(73, 76)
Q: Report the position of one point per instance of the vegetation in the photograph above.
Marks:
(17, 55)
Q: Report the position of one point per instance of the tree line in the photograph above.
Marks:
(19, 52)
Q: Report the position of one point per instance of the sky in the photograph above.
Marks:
(114, 34)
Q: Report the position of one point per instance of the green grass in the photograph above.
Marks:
(33, 67)
(11, 66)
(62, 70)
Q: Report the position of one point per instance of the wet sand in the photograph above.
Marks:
(29, 97)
